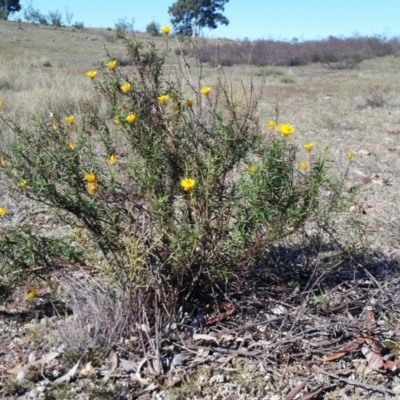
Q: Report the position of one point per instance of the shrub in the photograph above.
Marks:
(55, 18)
(35, 16)
(334, 52)
(79, 25)
(153, 29)
(124, 25)
(200, 193)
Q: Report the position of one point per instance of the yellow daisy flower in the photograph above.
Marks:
(3, 160)
(126, 87)
(187, 184)
(71, 145)
(22, 184)
(189, 103)
(350, 155)
(69, 119)
(112, 159)
(92, 187)
(90, 177)
(163, 99)
(91, 74)
(308, 147)
(303, 165)
(271, 125)
(116, 121)
(165, 30)
(111, 65)
(250, 169)
(3, 211)
(130, 118)
(205, 90)
(31, 294)
(286, 129)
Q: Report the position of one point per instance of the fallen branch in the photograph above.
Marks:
(352, 382)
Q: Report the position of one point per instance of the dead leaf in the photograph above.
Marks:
(392, 365)
(113, 358)
(334, 356)
(87, 370)
(278, 310)
(375, 361)
(293, 393)
(47, 358)
(16, 369)
(138, 376)
(369, 320)
(179, 359)
(32, 357)
(354, 345)
(127, 365)
(206, 338)
(312, 393)
(67, 377)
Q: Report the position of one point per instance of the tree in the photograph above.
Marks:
(188, 16)
(8, 7)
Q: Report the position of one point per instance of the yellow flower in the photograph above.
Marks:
(303, 165)
(163, 98)
(55, 127)
(3, 160)
(286, 129)
(166, 30)
(111, 65)
(187, 184)
(1, 105)
(116, 120)
(22, 184)
(250, 169)
(126, 87)
(91, 74)
(90, 177)
(3, 211)
(206, 90)
(350, 155)
(112, 159)
(92, 187)
(189, 103)
(31, 294)
(71, 145)
(130, 118)
(308, 146)
(271, 125)
(70, 119)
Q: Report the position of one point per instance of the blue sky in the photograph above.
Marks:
(254, 19)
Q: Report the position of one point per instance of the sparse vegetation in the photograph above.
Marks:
(335, 53)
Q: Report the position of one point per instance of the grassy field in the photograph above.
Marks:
(357, 109)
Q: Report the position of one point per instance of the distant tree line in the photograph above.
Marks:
(187, 16)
